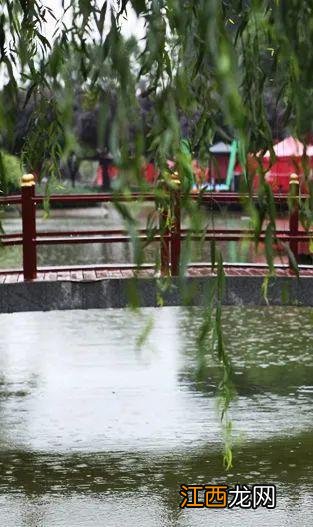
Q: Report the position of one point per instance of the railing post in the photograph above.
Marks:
(176, 226)
(29, 227)
(294, 192)
(165, 242)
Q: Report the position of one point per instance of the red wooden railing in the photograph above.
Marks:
(170, 234)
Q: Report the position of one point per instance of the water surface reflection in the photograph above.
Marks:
(96, 432)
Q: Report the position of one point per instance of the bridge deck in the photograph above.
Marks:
(94, 275)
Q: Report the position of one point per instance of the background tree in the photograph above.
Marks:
(229, 67)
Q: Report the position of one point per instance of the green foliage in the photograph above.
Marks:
(10, 173)
(215, 62)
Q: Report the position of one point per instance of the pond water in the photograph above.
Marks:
(107, 217)
(96, 430)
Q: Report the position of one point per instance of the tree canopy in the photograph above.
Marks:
(220, 64)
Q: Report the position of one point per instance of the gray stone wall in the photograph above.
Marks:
(148, 292)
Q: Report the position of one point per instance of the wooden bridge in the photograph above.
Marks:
(31, 279)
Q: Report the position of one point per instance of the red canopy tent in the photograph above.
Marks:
(291, 157)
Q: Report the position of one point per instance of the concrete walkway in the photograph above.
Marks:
(95, 275)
